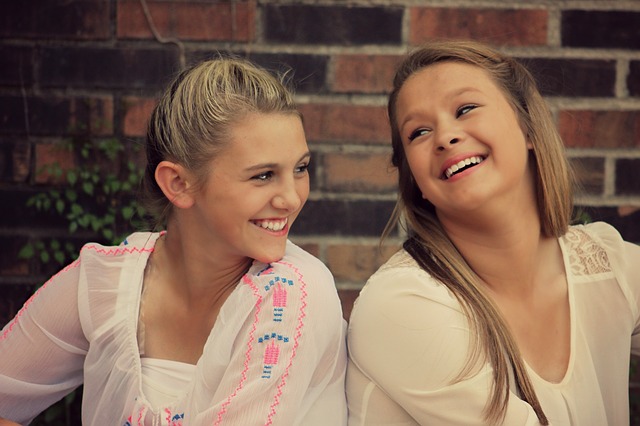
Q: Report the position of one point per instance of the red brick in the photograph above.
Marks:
(521, 27)
(333, 122)
(312, 248)
(600, 129)
(48, 154)
(359, 172)
(364, 73)
(357, 262)
(189, 21)
(348, 297)
(136, 115)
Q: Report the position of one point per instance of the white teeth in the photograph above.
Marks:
(459, 165)
(271, 225)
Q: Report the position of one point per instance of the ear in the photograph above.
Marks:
(176, 182)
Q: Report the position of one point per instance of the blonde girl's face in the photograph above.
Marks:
(462, 138)
(256, 188)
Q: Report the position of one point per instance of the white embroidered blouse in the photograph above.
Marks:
(275, 356)
(408, 339)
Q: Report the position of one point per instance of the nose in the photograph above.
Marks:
(448, 137)
(287, 198)
(444, 146)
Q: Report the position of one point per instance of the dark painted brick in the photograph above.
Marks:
(47, 116)
(596, 28)
(16, 65)
(15, 213)
(338, 217)
(633, 79)
(573, 77)
(590, 174)
(628, 224)
(308, 72)
(15, 160)
(107, 68)
(12, 297)
(84, 20)
(628, 176)
(308, 24)
(43, 115)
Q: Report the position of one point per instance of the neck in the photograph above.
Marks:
(202, 278)
(509, 255)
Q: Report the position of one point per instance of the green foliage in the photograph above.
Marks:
(97, 196)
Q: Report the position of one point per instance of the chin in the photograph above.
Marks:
(270, 257)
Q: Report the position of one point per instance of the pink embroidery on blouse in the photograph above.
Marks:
(247, 355)
(141, 414)
(301, 316)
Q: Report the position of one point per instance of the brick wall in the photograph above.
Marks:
(103, 62)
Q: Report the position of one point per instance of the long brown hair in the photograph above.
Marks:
(430, 245)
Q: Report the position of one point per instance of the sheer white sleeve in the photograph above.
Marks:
(42, 349)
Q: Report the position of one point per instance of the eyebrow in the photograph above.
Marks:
(453, 94)
(263, 166)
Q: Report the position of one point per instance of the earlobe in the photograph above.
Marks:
(175, 182)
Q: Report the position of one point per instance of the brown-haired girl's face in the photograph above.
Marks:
(462, 138)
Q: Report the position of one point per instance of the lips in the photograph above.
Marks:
(274, 225)
(461, 165)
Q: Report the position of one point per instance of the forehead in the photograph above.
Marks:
(446, 79)
(259, 135)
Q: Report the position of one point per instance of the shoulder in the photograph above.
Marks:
(592, 248)
(296, 267)
(138, 242)
(403, 320)
(401, 297)
(300, 277)
(398, 281)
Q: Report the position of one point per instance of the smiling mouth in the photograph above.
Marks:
(461, 166)
(271, 225)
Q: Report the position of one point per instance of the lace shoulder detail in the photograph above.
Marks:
(401, 259)
(586, 255)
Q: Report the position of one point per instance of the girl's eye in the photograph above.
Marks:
(465, 109)
(263, 176)
(302, 169)
(418, 132)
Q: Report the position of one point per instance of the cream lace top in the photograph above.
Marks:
(408, 339)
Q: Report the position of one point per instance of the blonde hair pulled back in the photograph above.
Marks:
(192, 121)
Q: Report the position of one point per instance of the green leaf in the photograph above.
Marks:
(72, 177)
(44, 257)
(108, 233)
(76, 209)
(59, 206)
(55, 244)
(58, 256)
(87, 187)
(26, 252)
(73, 227)
(71, 195)
(127, 212)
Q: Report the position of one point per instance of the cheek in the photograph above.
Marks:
(303, 191)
